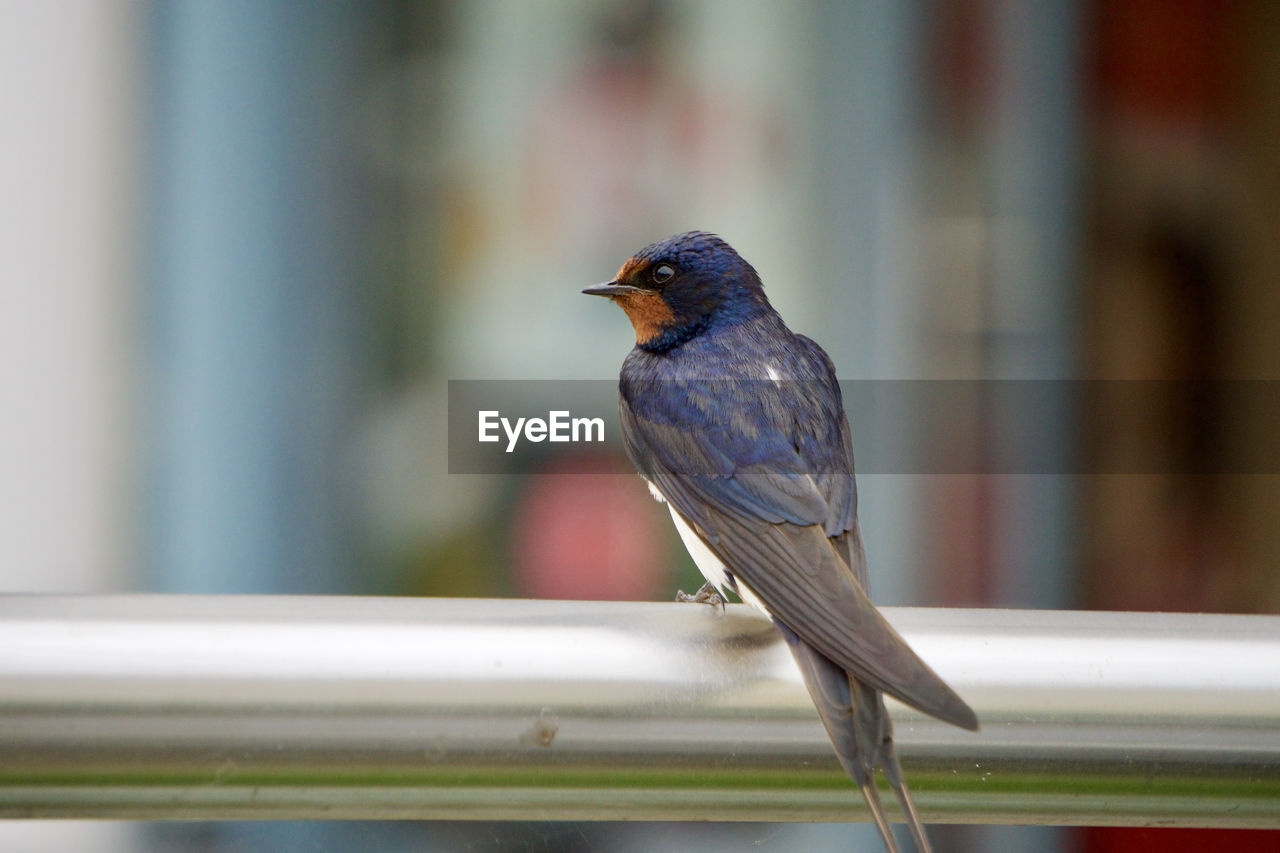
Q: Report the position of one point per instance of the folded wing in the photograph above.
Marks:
(768, 486)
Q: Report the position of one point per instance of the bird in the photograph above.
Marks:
(738, 425)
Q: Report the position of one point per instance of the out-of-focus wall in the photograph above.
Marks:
(69, 102)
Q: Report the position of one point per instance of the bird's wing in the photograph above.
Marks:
(756, 470)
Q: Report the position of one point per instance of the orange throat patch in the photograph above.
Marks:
(650, 316)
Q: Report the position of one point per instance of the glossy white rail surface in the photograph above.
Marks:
(186, 707)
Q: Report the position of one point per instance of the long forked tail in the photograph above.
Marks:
(872, 795)
(870, 706)
(860, 730)
(893, 771)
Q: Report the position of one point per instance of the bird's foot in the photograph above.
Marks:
(706, 595)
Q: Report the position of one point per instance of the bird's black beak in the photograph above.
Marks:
(610, 288)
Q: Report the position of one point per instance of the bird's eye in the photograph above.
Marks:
(663, 273)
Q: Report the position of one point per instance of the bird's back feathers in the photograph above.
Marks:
(762, 470)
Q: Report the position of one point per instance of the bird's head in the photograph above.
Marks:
(679, 287)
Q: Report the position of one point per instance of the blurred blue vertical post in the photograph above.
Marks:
(869, 94)
(1033, 163)
(254, 326)
(254, 314)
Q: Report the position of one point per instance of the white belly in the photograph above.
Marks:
(706, 561)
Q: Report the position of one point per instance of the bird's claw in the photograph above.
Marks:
(706, 595)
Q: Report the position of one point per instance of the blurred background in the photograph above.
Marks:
(249, 242)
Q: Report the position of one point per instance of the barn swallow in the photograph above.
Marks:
(737, 424)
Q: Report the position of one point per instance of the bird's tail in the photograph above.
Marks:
(871, 794)
(893, 771)
(861, 732)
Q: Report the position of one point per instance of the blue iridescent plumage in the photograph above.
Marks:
(738, 424)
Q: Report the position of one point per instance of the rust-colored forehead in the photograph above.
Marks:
(631, 268)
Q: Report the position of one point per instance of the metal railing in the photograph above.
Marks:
(289, 707)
